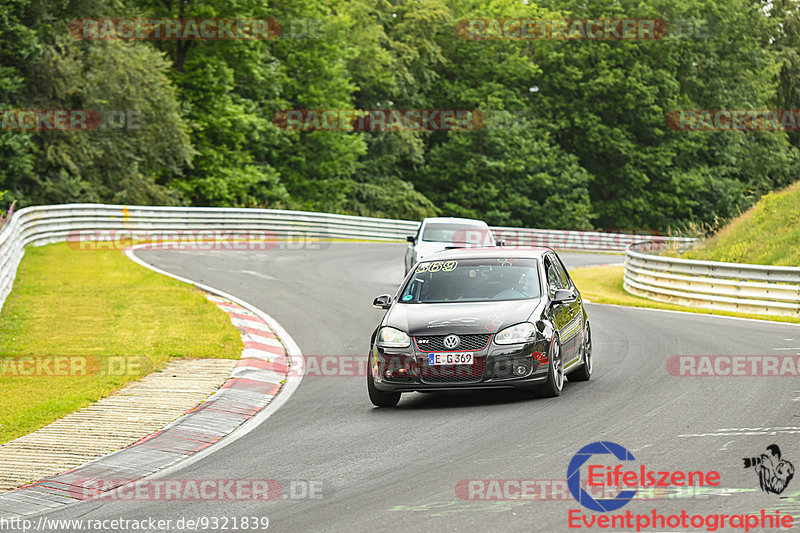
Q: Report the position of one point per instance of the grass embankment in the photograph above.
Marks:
(603, 285)
(115, 320)
(767, 234)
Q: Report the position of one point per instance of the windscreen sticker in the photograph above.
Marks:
(436, 266)
(507, 261)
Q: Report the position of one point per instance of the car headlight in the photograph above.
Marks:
(515, 334)
(393, 338)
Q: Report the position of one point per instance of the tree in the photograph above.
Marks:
(46, 68)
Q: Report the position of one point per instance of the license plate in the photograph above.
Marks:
(450, 358)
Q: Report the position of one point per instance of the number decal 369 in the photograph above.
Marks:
(436, 266)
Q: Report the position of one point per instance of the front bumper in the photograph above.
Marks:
(494, 367)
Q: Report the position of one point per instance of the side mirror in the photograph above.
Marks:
(384, 301)
(412, 239)
(563, 296)
(501, 242)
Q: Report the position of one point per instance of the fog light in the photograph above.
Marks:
(388, 373)
(520, 370)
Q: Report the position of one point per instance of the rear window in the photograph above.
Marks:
(458, 234)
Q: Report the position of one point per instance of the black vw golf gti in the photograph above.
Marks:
(480, 318)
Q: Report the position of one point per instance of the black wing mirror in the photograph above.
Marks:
(384, 301)
(412, 239)
(563, 296)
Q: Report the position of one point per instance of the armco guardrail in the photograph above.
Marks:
(45, 224)
(760, 289)
(577, 240)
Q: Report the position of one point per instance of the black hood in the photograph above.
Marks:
(460, 318)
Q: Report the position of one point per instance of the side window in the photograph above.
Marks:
(562, 274)
(554, 280)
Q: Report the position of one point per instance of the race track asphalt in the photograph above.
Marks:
(397, 469)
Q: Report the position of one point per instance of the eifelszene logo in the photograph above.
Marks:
(627, 478)
(774, 473)
(574, 477)
(600, 475)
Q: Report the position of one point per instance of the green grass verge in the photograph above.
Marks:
(603, 285)
(767, 234)
(116, 319)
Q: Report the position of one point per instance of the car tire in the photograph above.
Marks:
(378, 397)
(584, 373)
(555, 371)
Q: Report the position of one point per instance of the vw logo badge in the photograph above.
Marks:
(451, 341)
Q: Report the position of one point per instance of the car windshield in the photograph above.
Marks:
(457, 233)
(473, 280)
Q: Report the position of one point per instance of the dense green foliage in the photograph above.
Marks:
(585, 143)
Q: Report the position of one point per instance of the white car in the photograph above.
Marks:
(444, 233)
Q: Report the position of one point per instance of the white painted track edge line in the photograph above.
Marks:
(289, 387)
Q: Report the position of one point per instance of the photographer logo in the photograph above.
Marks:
(774, 473)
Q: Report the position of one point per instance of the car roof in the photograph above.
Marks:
(470, 221)
(532, 252)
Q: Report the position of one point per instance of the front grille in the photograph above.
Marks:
(469, 343)
(453, 373)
